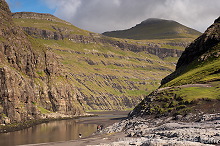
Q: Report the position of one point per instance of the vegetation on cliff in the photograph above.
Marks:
(109, 73)
(194, 86)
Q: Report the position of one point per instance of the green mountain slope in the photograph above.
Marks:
(199, 62)
(155, 29)
(194, 86)
(109, 73)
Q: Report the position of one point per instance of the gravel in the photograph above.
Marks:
(167, 132)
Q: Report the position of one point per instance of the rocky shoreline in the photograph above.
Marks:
(167, 131)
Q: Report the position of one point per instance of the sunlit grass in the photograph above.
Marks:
(194, 93)
(197, 75)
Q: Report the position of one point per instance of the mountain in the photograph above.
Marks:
(51, 69)
(154, 28)
(194, 86)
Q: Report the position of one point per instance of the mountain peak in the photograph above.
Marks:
(155, 20)
(155, 28)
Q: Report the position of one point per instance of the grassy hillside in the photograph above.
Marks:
(46, 22)
(200, 71)
(106, 75)
(194, 86)
(155, 29)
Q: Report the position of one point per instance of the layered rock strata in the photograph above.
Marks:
(24, 95)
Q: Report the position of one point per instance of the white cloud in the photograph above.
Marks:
(107, 15)
(65, 9)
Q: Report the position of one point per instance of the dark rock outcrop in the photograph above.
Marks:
(46, 34)
(210, 38)
(196, 50)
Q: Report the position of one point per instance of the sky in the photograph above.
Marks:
(107, 15)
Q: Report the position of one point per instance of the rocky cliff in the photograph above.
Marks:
(198, 52)
(193, 88)
(24, 94)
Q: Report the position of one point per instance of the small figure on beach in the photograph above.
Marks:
(99, 127)
(80, 135)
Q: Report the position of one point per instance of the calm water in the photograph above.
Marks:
(57, 130)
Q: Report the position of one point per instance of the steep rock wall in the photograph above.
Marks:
(150, 48)
(30, 84)
(196, 51)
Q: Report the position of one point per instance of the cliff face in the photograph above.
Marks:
(194, 86)
(197, 52)
(24, 94)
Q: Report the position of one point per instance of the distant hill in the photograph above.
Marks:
(154, 28)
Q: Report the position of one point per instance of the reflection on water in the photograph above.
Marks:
(48, 132)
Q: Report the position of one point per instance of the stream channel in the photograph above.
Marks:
(64, 130)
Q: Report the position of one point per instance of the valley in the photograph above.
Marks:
(168, 78)
(108, 73)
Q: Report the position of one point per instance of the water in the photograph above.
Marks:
(48, 132)
(59, 130)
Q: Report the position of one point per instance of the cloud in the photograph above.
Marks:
(14, 4)
(106, 15)
(65, 9)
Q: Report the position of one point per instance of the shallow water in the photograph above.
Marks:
(48, 132)
(56, 131)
